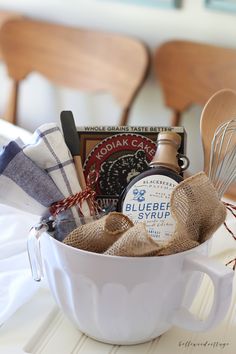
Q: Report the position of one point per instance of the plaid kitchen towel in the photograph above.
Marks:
(27, 187)
(50, 152)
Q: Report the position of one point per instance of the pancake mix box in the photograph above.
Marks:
(118, 154)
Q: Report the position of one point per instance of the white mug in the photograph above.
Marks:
(129, 300)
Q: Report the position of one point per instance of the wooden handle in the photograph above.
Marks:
(220, 108)
(81, 178)
(80, 173)
(11, 111)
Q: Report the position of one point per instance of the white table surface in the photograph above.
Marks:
(40, 327)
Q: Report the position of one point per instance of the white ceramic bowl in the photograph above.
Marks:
(129, 300)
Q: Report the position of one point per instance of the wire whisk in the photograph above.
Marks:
(222, 166)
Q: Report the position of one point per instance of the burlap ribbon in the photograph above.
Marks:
(99, 235)
(194, 205)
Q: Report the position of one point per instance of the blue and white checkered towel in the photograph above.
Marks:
(27, 187)
(34, 176)
(49, 151)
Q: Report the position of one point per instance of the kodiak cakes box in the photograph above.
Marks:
(119, 153)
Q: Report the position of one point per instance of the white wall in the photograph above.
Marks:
(42, 102)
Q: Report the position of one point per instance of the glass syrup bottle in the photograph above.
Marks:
(147, 196)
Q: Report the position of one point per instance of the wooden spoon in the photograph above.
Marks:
(220, 108)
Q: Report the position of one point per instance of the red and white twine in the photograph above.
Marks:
(232, 209)
(77, 199)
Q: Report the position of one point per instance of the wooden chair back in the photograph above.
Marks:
(190, 73)
(6, 16)
(77, 58)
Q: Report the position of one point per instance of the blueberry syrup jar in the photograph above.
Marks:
(147, 197)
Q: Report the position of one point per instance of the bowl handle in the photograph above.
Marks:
(33, 247)
(222, 279)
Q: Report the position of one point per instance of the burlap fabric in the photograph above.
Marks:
(137, 242)
(99, 235)
(194, 205)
